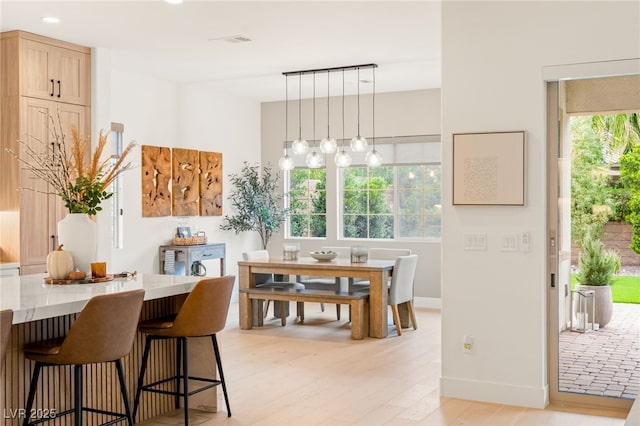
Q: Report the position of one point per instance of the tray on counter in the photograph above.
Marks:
(49, 280)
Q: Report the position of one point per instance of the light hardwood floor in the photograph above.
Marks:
(314, 374)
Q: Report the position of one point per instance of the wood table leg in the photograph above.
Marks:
(378, 299)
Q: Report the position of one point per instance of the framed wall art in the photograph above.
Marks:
(488, 168)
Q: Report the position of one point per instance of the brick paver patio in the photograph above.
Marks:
(604, 362)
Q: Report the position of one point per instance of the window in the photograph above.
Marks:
(117, 233)
(391, 202)
(399, 200)
(307, 202)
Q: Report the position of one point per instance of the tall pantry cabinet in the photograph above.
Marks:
(40, 77)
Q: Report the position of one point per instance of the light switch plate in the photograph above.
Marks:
(509, 242)
(475, 242)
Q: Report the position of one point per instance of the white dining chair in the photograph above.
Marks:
(401, 289)
(267, 280)
(377, 254)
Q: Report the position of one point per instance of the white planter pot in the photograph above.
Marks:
(603, 302)
(79, 235)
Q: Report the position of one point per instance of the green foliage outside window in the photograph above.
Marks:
(630, 176)
(308, 202)
(589, 182)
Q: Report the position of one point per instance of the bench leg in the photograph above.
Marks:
(258, 317)
(359, 324)
(283, 312)
(300, 310)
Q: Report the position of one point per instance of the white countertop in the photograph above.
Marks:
(9, 265)
(31, 299)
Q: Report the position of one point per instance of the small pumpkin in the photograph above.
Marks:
(59, 263)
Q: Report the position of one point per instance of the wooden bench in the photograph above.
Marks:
(359, 303)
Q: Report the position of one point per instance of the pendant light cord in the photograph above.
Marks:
(374, 109)
(358, 101)
(343, 109)
(286, 113)
(314, 110)
(328, 91)
(300, 107)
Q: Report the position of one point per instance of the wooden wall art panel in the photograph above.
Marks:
(186, 182)
(156, 175)
(210, 183)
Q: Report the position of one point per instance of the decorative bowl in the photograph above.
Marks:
(323, 255)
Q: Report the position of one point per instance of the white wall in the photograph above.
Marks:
(397, 114)
(493, 54)
(164, 113)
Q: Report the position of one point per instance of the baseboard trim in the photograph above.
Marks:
(497, 393)
(427, 302)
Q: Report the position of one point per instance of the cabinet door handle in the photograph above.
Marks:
(59, 88)
(53, 243)
(52, 87)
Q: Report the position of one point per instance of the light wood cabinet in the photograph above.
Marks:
(28, 213)
(55, 73)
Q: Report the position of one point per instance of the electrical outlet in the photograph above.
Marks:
(467, 344)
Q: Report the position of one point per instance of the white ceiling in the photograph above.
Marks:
(173, 42)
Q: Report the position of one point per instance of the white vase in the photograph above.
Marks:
(79, 235)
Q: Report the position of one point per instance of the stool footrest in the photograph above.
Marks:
(120, 417)
(150, 387)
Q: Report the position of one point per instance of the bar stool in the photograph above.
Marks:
(204, 313)
(6, 318)
(103, 332)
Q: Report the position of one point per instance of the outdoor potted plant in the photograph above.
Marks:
(597, 266)
(257, 201)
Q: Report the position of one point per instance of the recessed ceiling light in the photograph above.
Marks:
(174, 1)
(50, 19)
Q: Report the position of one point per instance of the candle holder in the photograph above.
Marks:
(359, 254)
(290, 251)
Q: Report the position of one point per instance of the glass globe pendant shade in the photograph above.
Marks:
(314, 160)
(285, 162)
(328, 145)
(343, 159)
(358, 144)
(299, 146)
(373, 158)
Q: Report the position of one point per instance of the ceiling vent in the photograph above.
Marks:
(232, 39)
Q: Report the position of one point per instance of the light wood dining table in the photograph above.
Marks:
(376, 271)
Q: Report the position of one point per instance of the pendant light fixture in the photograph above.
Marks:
(343, 159)
(358, 143)
(299, 146)
(328, 145)
(314, 160)
(286, 162)
(373, 157)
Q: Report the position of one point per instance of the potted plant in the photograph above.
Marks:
(81, 179)
(597, 266)
(257, 201)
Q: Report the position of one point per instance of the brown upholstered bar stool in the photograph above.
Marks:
(102, 332)
(6, 318)
(204, 313)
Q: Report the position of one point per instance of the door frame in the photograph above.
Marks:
(552, 77)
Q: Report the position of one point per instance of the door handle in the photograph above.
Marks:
(553, 280)
(52, 87)
(59, 88)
